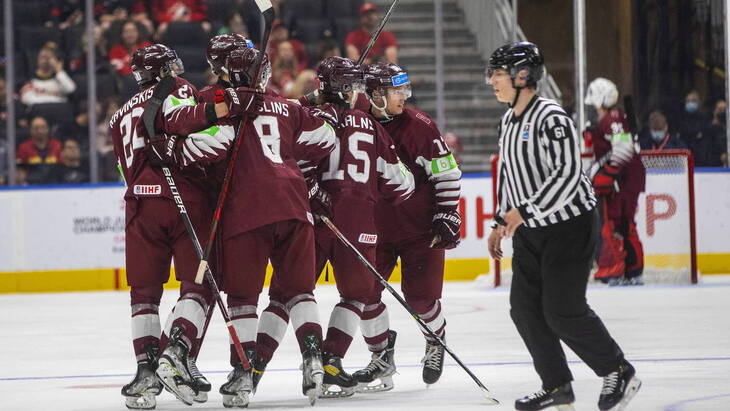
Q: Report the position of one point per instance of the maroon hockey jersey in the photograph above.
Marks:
(421, 148)
(364, 164)
(179, 114)
(267, 185)
(614, 144)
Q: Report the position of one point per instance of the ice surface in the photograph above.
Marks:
(72, 352)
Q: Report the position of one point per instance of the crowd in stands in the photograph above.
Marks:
(51, 70)
(51, 106)
(703, 133)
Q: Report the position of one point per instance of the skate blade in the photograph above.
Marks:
(341, 392)
(173, 382)
(631, 389)
(201, 397)
(381, 385)
(146, 401)
(236, 401)
(316, 391)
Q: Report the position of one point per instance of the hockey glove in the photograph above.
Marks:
(312, 99)
(604, 183)
(328, 113)
(161, 150)
(446, 229)
(320, 201)
(240, 101)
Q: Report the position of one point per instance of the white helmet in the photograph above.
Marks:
(601, 93)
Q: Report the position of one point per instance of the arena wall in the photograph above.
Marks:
(65, 238)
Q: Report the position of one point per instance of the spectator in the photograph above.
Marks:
(328, 48)
(280, 34)
(693, 121)
(284, 69)
(166, 11)
(716, 154)
(234, 25)
(50, 83)
(657, 137)
(38, 155)
(69, 170)
(454, 143)
(104, 145)
(385, 49)
(120, 55)
(305, 83)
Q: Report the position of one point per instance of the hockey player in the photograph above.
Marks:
(618, 178)
(154, 230)
(418, 230)
(267, 217)
(218, 49)
(363, 167)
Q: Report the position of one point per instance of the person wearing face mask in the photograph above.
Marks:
(657, 137)
(693, 120)
(711, 151)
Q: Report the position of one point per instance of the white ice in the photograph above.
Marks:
(71, 351)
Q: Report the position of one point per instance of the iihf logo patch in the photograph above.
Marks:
(368, 238)
(147, 190)
(526, 131)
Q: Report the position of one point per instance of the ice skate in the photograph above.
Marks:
(337, 382)
(312, 371)
(378, 375)
(433, 362)
(201, 383)
(237, 389)
(258, 367)
(173, 369)
(561, 398)
(619, 387)
(140, 393)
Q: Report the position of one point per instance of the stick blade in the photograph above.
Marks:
(488, 396)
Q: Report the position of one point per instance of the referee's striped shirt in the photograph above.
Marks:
(540, 166)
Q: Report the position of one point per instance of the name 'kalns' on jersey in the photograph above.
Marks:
(359, 122)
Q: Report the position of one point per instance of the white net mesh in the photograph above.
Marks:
(664, 221)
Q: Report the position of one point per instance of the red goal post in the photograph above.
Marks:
(665, 220)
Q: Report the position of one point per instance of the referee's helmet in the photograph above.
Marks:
(516, 57)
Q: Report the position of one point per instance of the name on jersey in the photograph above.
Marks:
(359, 122)
(368, 238)
(140, 97)
(275, 107)
(147, 190)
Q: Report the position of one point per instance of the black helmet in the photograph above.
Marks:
(518, 56)
(151, 63)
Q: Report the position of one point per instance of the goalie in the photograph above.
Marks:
(618, 178)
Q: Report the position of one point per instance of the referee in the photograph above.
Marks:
(547, 206)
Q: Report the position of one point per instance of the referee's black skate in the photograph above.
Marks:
(433, 362)
(237, 389)
(141, 391)
(337, 382)
(619, 387)
(201, 383)
(312, 371)
(173, 369)
(380, 370)
(561, 397)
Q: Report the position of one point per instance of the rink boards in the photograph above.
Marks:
(72, 238)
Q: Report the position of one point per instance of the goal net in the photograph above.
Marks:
(665, 220)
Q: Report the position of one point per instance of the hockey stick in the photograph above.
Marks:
(419, 320)
(375, 35)
(162, 90)
(267, 15)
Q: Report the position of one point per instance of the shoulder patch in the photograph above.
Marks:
(557, 131)
(423, 118)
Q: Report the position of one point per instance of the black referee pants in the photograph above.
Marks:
(550, 268)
